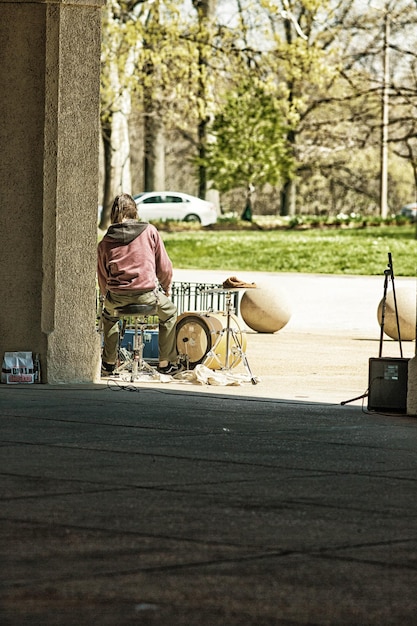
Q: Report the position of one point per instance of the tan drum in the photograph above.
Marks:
(198, 333)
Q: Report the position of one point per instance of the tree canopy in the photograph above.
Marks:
(285, 94)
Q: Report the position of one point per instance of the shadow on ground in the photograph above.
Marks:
(160, 506)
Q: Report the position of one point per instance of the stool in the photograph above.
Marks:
(137, 364)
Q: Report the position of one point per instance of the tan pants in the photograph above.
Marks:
(167, 315)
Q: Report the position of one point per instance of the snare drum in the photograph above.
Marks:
(199, 333)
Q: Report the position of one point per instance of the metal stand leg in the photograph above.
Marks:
(233, 345)
(244, 358)
(388, 274)
(135, 364)
(140, 366)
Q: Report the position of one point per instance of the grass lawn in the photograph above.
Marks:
(362, 251)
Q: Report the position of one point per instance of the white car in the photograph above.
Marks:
(410, 211)
(172, 205)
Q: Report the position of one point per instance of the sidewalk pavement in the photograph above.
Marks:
(268, 504)
(323, 353)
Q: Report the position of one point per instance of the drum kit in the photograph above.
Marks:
(213, 339)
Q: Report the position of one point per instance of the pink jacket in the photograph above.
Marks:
(132, 257)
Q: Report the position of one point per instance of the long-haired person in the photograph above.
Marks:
(133, 267)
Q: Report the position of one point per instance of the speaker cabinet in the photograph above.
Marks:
(387, 385)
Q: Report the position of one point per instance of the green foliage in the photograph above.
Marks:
(151, 48)
(249, 140)
(342, 251)
(293, 88)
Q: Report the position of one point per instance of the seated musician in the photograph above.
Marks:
(132, 267)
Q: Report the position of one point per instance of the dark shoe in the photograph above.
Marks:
(107, 368)
(171, 369)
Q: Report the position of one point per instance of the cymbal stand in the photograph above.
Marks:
(233, 344)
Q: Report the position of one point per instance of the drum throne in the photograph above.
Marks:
(134, 367)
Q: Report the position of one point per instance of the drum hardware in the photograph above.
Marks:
(185, 356)
(206, 339)
(134, 365)
(232, 338)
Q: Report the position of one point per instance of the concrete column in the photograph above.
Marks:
(412, 387)
(49, 130)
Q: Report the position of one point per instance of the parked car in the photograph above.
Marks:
(172, 205)
(410, 210)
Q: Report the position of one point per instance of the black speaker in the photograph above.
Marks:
(387, 385)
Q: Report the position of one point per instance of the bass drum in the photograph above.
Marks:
(198, 333)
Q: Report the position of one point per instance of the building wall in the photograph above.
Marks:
(49, 129)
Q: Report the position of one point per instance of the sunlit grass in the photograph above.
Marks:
(350, 251)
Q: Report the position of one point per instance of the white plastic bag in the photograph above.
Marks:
(204, 376)
(17, 368)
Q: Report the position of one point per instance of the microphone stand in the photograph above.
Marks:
(388, 274)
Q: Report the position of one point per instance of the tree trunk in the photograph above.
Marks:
(117, 175)
(202, 170)
(107, 188)
(205, 11)
(288, 198)
(153, 124)
(154, 153)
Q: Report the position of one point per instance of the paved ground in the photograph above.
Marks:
(266, 504)
(323, 353)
